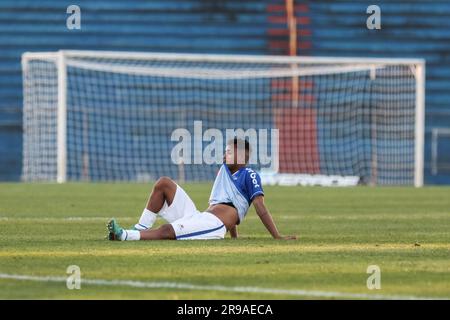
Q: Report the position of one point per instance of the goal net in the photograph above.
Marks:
(116, 116)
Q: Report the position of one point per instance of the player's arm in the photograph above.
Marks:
(266, 218)
(234, 232)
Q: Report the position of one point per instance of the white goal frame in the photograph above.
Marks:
(59, 57)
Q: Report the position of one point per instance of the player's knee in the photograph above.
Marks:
(167, 231)
(163, 183)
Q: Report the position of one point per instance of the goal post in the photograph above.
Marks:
(114, 116)
(61, 172)
(419, 133)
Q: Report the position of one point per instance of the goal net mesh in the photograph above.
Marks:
(333, 118)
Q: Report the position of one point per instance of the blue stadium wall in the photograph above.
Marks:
(419, 29)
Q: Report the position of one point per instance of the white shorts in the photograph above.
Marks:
(199, 226)
(188, 222)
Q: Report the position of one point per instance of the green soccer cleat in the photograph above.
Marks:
(115, 231)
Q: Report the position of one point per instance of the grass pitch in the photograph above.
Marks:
(44, 228)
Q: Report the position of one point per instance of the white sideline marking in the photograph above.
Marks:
(187, 286)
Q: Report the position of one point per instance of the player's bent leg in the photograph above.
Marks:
(163, 191)
(162, 195)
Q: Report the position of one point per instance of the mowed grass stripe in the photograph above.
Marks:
(224, 250)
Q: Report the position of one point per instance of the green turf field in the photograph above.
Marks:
(44, 228)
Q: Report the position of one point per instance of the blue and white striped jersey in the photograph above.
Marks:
(239, 188)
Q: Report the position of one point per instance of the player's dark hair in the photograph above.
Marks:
(239, 143)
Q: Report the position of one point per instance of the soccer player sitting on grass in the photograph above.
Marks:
(234, 189)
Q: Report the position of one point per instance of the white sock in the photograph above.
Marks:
(129, 235)
(146, 221)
